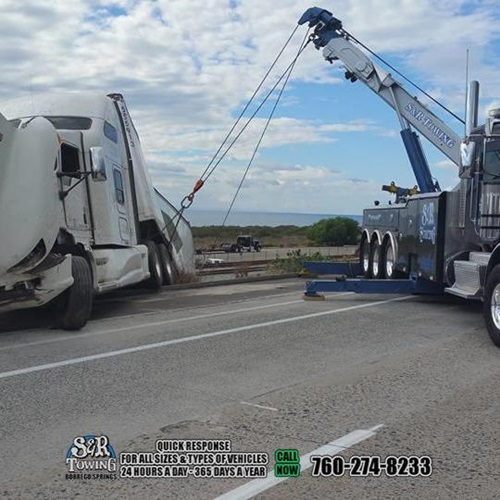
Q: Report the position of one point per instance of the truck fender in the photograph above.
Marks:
(389, 241)
(365, 235)
(376, 236)
(390, 237)
(494, 260)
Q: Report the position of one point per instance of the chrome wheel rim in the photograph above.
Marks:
(375, 260)
(366, 257)
(495, 306)
(389, 261)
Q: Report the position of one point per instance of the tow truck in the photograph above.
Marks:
(429, 241)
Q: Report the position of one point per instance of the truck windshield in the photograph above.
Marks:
(61, 122)
(492, 161)
(70, 122)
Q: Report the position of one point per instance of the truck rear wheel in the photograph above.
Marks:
(74, 306)
(166, 265)
(375, 260)
(389, 260)
(364, 256)
(491, 307)
(155, 280)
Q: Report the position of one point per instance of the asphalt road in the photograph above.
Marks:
(255, 364)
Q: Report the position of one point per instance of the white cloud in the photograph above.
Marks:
(446, 165)
(187, 67)
(296, 188)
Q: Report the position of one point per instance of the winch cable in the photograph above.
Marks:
(442, 106)
(268, 122)
(188, 200)
(291, 65)
(287, 74)
(249, 102)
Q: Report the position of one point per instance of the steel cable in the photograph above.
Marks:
(402, 76)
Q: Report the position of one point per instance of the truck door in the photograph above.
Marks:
(76, 198)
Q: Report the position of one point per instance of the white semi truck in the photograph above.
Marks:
(78, 213)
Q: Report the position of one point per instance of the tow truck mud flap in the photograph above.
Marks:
(416, 286)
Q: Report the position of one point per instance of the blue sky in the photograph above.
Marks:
(187, 69)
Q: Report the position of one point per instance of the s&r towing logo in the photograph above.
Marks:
(428, 228)
(91, 457)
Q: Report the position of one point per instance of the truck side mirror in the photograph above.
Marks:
(467, 150)
(492, 125)
(98, 164)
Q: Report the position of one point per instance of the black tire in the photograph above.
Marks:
(74, 306)
(167, 267)
(375, 260)
(155, 280)
(364, 257)
(491, 306)
(389, 260)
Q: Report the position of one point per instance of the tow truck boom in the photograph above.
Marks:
(338, 45)
(427, 242)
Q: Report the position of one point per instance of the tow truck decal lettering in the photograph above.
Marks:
(429, 124)
(427, 230)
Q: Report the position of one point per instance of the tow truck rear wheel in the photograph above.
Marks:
(74, 306)
(491, 306)
(155, 280)
(389, 260)
(364, 256)
(166, 265)
(375, 260)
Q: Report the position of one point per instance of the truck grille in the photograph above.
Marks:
(489, 220)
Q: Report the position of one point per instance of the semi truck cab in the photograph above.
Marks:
(78, 212)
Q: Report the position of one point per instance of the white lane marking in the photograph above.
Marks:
(147, 347)
(78, 336)
(257, 486)
(164, 322)
(259, 406)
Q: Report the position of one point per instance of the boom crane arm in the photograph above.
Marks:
(337, 45)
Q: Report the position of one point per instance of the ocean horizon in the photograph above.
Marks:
(199, 218)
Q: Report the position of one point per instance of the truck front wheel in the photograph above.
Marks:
(491, 307)
(74, 306)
